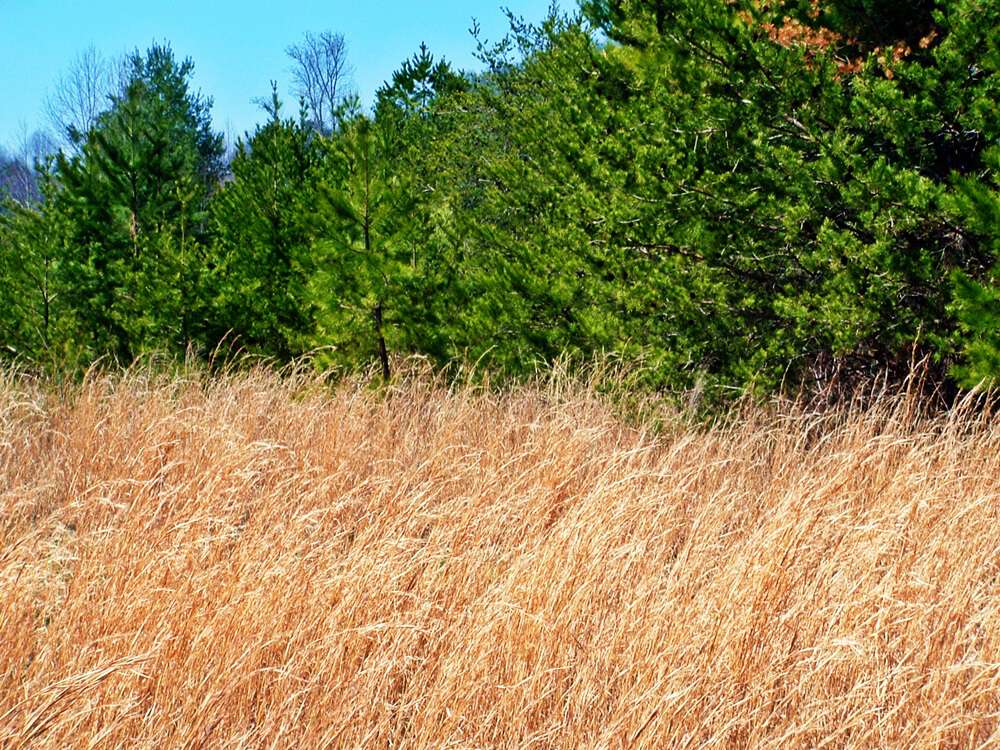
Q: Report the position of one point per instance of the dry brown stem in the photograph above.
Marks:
(254, 562)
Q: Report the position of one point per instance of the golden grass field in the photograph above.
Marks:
(261, 562)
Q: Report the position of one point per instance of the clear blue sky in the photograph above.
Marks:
(237, 45)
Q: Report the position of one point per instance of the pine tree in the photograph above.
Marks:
(977, 295)
(416, 85)
(793, 180)
(417, 110)
(38, 326)
(367, 260)
(136, 198)
(524, 186)
(263, 223)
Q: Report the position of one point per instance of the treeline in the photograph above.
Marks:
(736, 193)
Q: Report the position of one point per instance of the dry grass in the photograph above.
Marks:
(249, 562)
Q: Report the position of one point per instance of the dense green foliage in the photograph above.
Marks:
(737, 194)
(135, 203)
(263, 259)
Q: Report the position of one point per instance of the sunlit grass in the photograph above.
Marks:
(255, 561)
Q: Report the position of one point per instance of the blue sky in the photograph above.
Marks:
(237, 45)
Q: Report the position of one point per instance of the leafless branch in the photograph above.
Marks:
(321, 75)
(83, 93)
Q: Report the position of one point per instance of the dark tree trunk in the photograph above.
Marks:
(383, 354)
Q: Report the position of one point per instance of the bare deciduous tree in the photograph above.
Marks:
(36, 146)
(12, 174)
(321, 75)
(83, 93)
(18, 177)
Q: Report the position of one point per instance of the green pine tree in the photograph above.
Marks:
(136, 197)
(264, 230)
(976, 302)
(366, 258)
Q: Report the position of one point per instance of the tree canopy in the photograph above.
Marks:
(739, 194)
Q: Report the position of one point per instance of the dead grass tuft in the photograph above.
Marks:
(254, 561)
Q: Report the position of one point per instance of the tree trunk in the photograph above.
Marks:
(383, 354)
